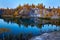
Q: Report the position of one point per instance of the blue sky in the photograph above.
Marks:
(15, 3)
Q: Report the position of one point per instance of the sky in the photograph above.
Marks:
(15, 3)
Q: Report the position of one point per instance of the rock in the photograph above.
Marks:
(48, 36)
(4, 30)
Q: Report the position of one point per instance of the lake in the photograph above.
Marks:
(23, 29)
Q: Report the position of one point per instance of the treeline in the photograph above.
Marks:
(16, 11)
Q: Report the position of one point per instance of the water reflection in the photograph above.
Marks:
(27, 27)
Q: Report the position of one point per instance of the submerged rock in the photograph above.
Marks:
(4, 30)
(48, 36)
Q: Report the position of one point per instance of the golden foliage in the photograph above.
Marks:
(15, 14)
(16, 11)
(33, 6)
(40, 6)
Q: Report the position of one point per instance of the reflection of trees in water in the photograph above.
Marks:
(39, 25)
(55, 22)
(26, 23)
(32, 21)
(12, 20)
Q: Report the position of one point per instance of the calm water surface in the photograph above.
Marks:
(28, 26)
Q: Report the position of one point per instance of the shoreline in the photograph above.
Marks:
(19, 16)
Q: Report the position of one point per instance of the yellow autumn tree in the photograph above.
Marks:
(33, 6)
(45, 15)
(26, 6)
(50, 14)
(15, 14)
(40, 6)
(19, 8)
(58, 11)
